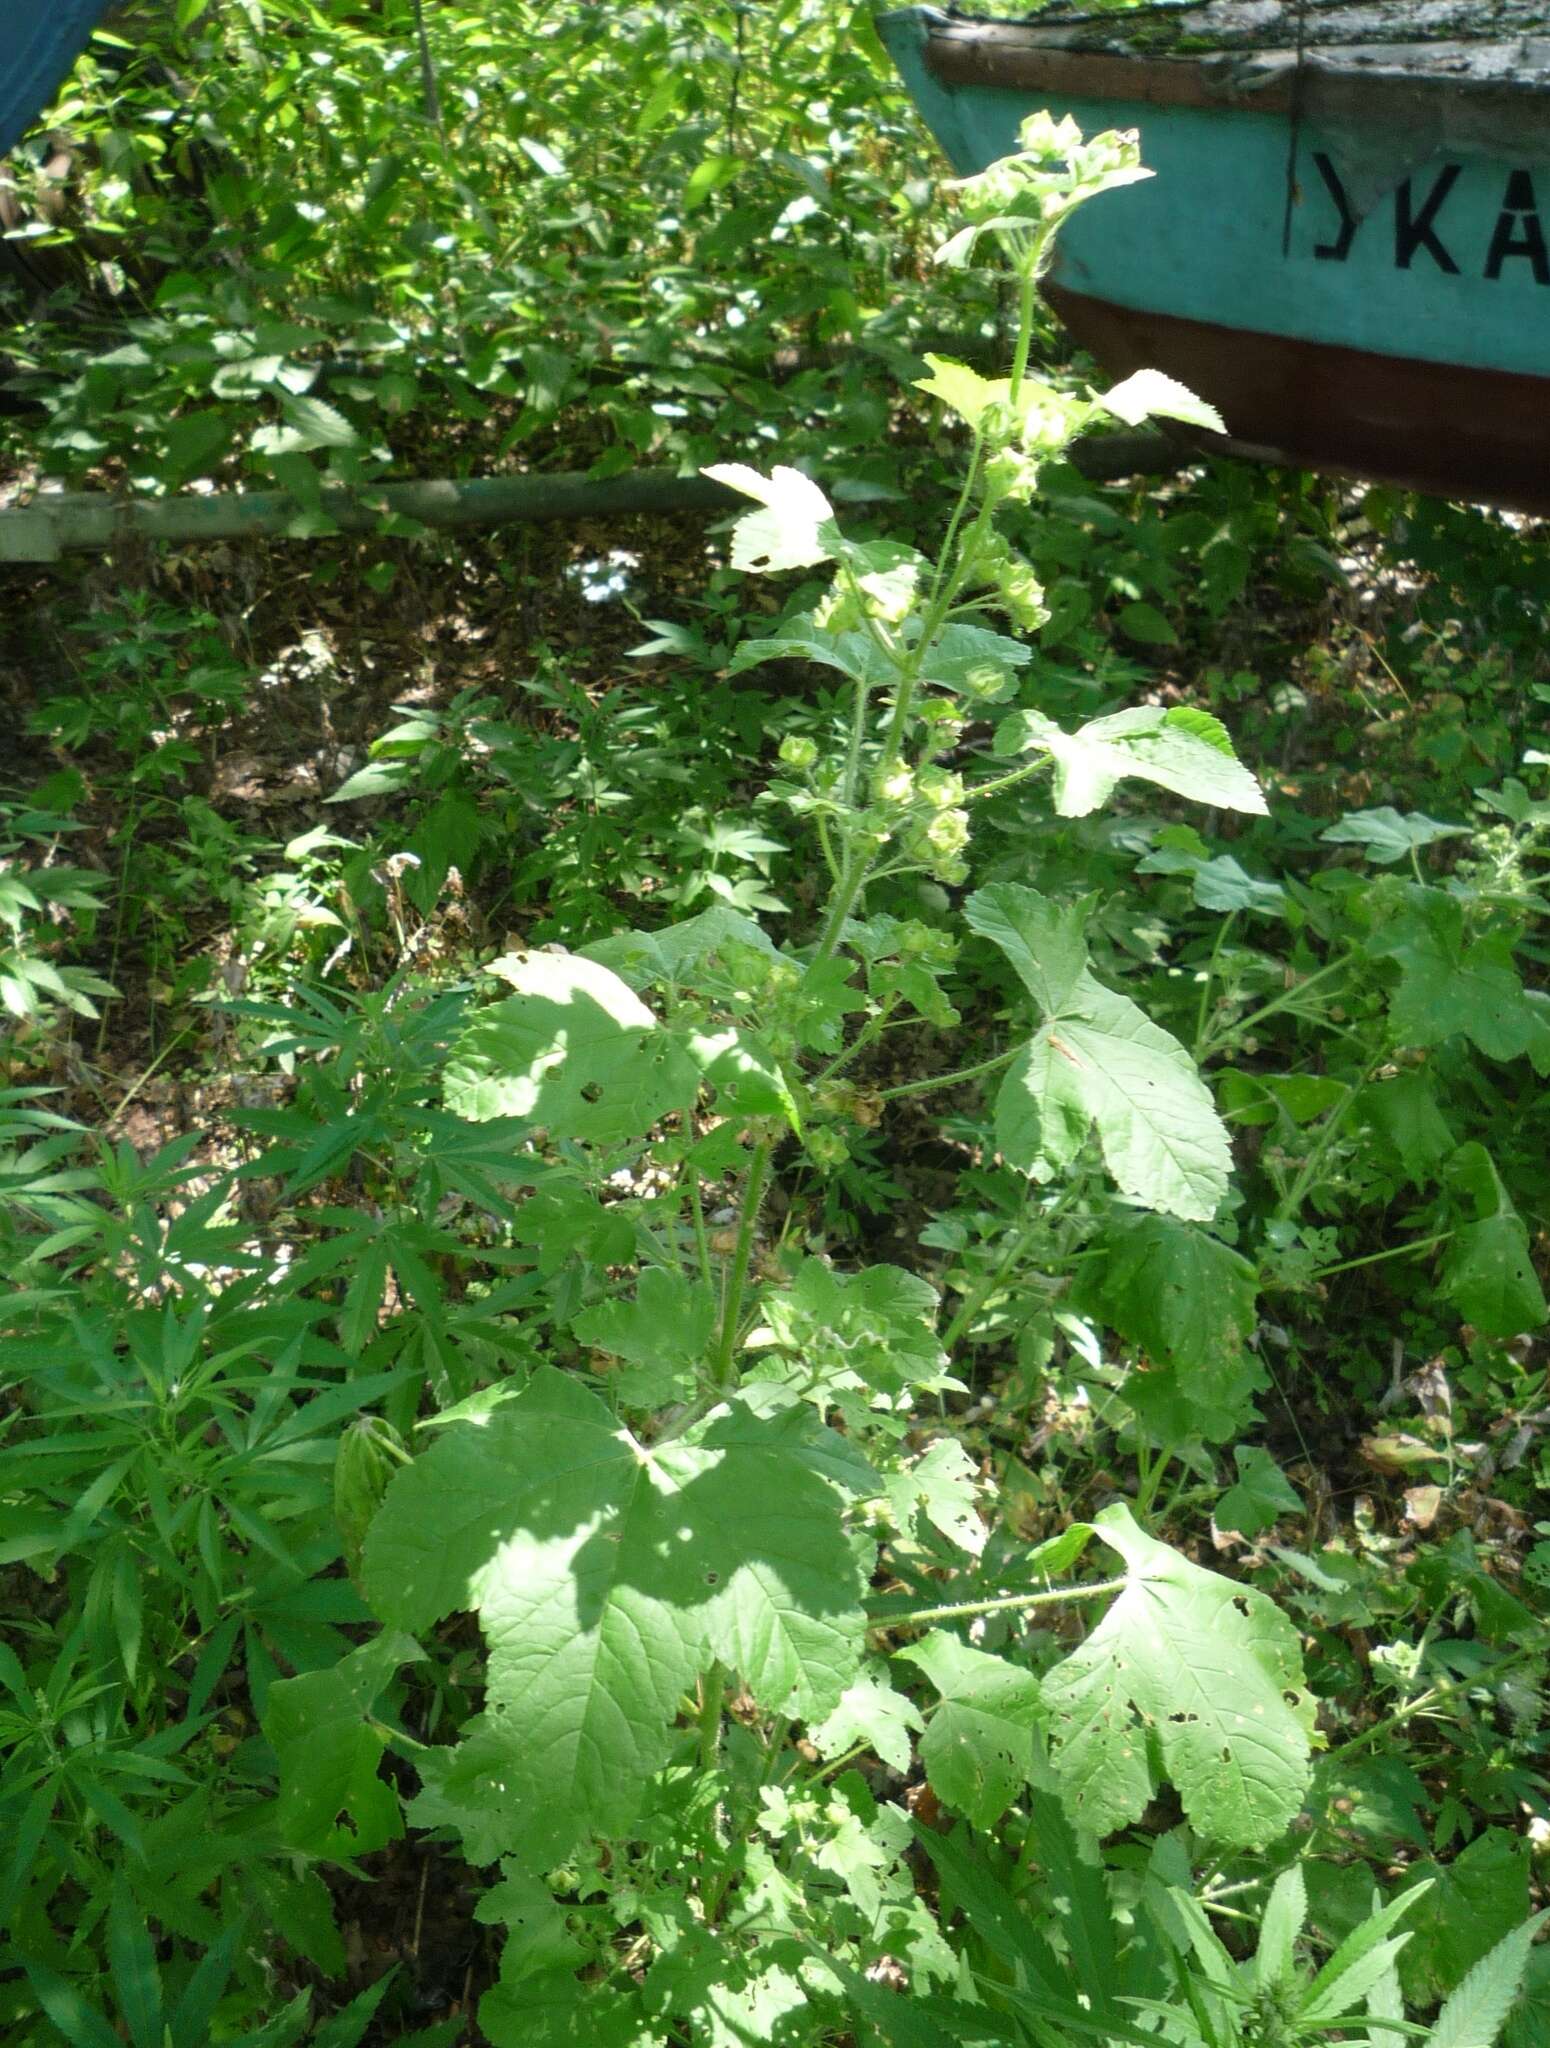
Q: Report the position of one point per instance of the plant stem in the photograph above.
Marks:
(696, 1201)
(1292, 1200)
(990, 1066)
(1209, 977)
(999, 782)
(991, 1282)
(1398, 1251)
(1433, 1696)
(1026, 288)
(713, 1691)
(872, 1029)
(1280, 1002)
(737, 1272)
(957, 1610)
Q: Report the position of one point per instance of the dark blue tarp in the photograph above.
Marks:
(42, 39)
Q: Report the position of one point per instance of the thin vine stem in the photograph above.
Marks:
(958, 1610)
(935, 1081)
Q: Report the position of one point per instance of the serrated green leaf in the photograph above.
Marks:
(1348, 1974)
(1046, 942)
(1187, 1302)
(606, 1576)
(745, 1074)
(332, 1801)
(978, 1748)
(1474, 2014)
(1149, 394)
(1211, 1672)
(1102, 1063)
(1469, 1904)
(787, 533)
(872, 1331)
(574, 1050)
(678, 952)
(1261, 1495)
(943, 1484)
(1179, 750)
(1449, 985)
(853, 654)
(1486, 1270)
(973, 658)
(132, 1965)
(309, 423)
(661, 1335)
(962, 390)
(870, 1711)
(1386, 835)
(1275, 1959)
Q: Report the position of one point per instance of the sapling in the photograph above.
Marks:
(671, 1546)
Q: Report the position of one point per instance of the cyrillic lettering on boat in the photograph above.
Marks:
(1413, 231)
(1338, 250)
(1518, 232)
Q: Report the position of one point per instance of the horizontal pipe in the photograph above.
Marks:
(57, 522)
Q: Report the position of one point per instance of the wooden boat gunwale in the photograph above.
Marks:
(1369, 290)
(1334, 85)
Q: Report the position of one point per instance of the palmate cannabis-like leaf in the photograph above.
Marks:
(607, 1576)
(1210, 1672)
(1474, 2014)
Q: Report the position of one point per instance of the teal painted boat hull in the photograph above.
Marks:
(44, 38)
(1352, 266)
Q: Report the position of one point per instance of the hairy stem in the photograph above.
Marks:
(957, 1610)
(737, 1272)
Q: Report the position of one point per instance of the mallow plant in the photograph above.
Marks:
(753, 1635)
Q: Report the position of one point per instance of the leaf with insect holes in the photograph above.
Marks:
(788, 532)
(607, 1576)
(660, 1336)
(870, 1712)
(943, 1485)
(333, 1801)
(573, 1049)
(1207, 1671)
(1486, 1270)
(978, 1748)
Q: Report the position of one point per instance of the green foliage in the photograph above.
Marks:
(578, 1412)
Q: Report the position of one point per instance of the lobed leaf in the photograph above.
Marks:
(1209, 1671)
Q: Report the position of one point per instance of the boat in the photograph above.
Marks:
(1344, 247)
(43, 40)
